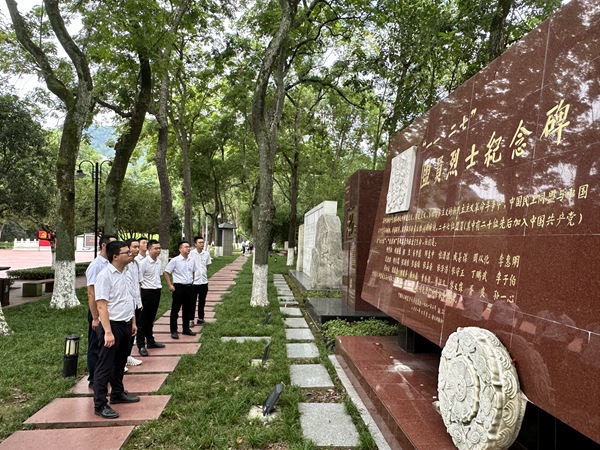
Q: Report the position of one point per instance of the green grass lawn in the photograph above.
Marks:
(211, 391)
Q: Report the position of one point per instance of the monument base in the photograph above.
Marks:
(322, 310)
(304, 283)
(399, 390)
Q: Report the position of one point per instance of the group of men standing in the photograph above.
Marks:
(124, 287)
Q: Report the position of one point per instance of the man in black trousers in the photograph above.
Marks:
(117, 324)
(181, 268)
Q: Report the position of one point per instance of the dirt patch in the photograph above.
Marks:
(324, 396)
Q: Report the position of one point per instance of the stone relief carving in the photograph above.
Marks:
(401, 181)
(479, 395)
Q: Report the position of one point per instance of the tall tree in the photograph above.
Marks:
(266, 114)
(77, 99)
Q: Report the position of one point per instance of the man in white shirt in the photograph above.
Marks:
(91, 273)
(150, 272)
(201, 259)
(117, 325)
(143, 249)
(182, 269)
(133, 276)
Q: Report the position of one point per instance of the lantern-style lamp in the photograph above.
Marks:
(71, 356)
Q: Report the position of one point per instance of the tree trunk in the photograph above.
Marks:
(187, 189)
(266, 116)
(78, 104)
(4, 328)
(162, 117)
(498, 39)
(125, 146)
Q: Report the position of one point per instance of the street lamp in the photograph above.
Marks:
(96, 172)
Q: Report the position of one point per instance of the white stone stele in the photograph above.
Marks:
(401, 181)
(299, 260)
(290, 257)
(310, 231)
(480, 400)
(327, 255)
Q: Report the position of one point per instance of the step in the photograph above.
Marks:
(295, 323)
(310, 376)
(328, 425)
(299, 334)
(70, 438)
(141, 383)
(302, 350)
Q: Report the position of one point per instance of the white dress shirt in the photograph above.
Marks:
(95, 267)
(114, 287)
(181, 269)
(201, 259)
(150, 272)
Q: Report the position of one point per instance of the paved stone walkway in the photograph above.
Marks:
(70, 423)
(326, 424)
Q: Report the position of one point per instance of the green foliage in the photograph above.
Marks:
(369, 327)
(26, 164)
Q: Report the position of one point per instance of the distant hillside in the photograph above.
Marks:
(99, 136)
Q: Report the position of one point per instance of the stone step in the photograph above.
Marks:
(241, 339)
(72, 439)
(79, 412)
(290, 311)
(299, 334)
(295, 323)
(328, 425)
(141, 383)
(304, 350)
(310, 376)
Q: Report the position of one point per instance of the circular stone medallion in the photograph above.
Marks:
(480, 399)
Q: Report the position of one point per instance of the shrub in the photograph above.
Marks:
(41, 273)
(369, 327)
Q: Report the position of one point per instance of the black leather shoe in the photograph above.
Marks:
(156, 345)
(175, 335)
(107, 412)
(200, 321)
(188, 332)
(143, 351)
(192, 324)
(125, 397)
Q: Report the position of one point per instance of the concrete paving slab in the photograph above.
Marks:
(135, 383)
(302, 350)
(299, 334)
(310, 376)
(288, 303)
(290, 311)
(79, 412)
(164, 364)
(328, 425)
(287, 298)
(295, 323)
(72, 439)
(174, 349)
(283, 292)
(240, 339)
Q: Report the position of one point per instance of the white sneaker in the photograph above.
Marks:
(131, 361)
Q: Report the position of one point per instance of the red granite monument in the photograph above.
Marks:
(489, 216)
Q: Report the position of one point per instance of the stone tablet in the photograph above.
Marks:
(502, 231)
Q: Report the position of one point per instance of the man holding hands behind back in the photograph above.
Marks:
(181, 268)
(117, 325)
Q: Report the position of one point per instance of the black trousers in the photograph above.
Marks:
(150, 302)
(92, 350)
(111, 362)
(182, 297)
(199, 295)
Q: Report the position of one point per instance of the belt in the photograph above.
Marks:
(181, 284)
(151, 289)
(124, 322)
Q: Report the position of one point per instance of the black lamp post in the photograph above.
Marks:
(96, 175)
(71, 355)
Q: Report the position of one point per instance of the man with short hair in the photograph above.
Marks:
(150, 271)
(182, 269)
(201, 259)
(91, 273)
(117, 325)
(133, 277)
(143, 249)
